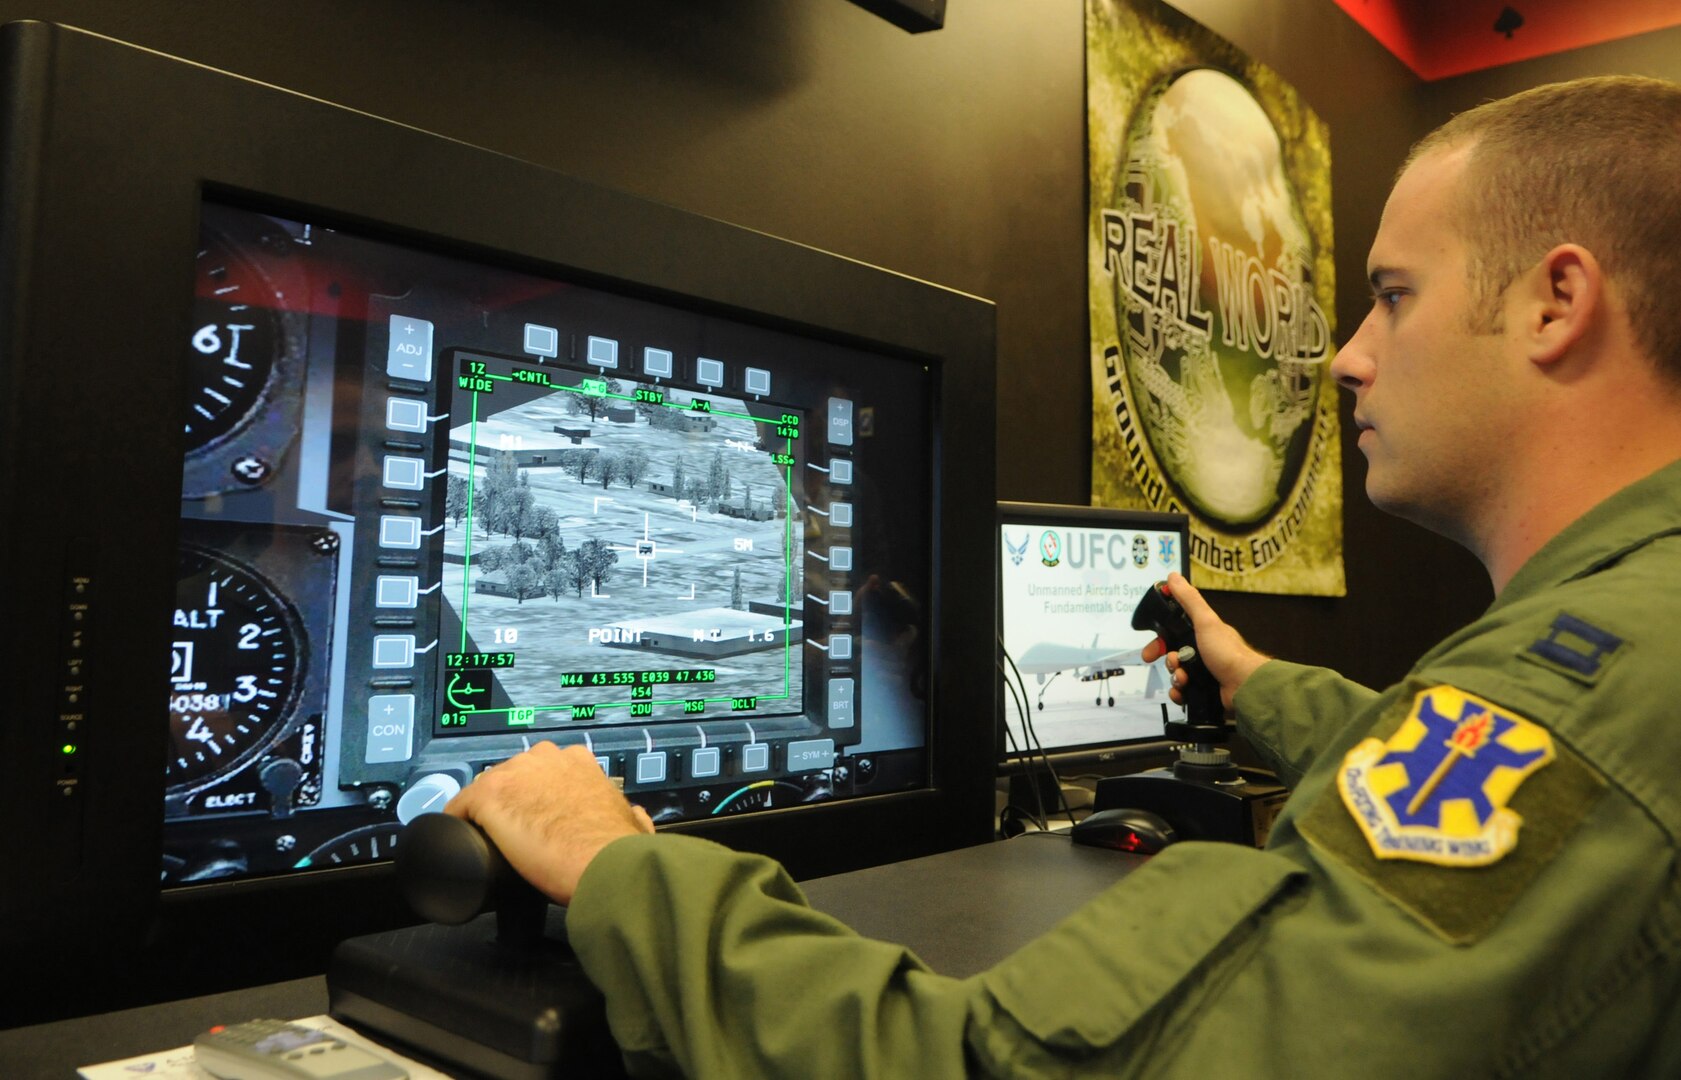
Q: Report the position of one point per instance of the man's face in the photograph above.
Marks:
(1428, 389)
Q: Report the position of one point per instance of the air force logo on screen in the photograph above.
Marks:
(1017, 551)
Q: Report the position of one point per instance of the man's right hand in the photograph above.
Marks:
(1229, 658)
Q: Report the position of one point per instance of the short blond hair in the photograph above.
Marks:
(1595, 162)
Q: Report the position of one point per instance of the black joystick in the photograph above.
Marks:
(503, 998)
(1205, 795)
(1205, 713)
(450, 873)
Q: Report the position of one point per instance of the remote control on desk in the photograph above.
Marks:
(276, 1050)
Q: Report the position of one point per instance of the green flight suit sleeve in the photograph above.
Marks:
(1289, 712)
(712, 965)
(1210, 960)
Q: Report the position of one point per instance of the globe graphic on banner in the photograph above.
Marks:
(1223, 340)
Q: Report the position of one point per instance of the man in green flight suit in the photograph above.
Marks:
(1475, 874)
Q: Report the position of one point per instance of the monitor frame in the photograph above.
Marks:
(1125, 752)
(107, 152)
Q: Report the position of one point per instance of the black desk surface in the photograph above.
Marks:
(960, 911)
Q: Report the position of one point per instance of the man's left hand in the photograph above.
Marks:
(550, 812)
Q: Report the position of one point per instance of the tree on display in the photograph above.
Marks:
(573, 571)
(516, 508)
(612, 467)
(633, 466)
(584, 464)
(499, 486)
(523, 581)
(455, 498)
(560, 576)
(597, 561)
(549, 540)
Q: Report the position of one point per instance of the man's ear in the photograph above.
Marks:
(1560, 301)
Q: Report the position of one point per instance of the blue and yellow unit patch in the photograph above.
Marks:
(1436, 790)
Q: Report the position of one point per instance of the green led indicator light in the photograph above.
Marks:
(69, 748)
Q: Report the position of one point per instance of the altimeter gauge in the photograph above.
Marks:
(237, 661)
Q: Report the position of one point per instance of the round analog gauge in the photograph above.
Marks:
(237, 341)
(236, 663)
(770, 794)
(246, 352)
(370, 843)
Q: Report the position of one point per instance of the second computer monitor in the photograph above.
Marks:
(1068, 580)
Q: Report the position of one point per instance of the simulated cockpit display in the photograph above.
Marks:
(434, 510)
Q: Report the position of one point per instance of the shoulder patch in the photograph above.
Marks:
(1429, 810)
(1437, 790)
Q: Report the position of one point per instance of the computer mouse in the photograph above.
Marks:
(1137, 831)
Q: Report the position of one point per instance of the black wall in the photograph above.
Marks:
(955, 156)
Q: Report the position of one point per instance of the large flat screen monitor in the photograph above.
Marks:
(1069, 578)
(400, 456)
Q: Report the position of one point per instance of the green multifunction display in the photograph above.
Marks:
(617, 551)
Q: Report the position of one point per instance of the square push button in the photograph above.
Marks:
(405, 473)
(840, 470)
(756, 381)
(602, 352)
(840, 603)
(840, 515)
(541, 340)
(391, 591)
(394, 651)
(840, 558)
(656, 363)
(755, 757)
(650, 767)
(709, 372)
(704, 762)
(399, 532)
(408, 355)
(840, 646)
(405, 414)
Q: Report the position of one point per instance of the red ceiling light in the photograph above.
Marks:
(1439, 38)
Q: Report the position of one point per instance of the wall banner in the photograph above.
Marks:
(1211, 294)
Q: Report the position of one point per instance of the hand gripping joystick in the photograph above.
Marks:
(1205, 714)
(1205, 795)
(517, 1007)
(450, 872)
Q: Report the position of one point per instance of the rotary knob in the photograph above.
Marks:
(1213, 755)
(427, 796)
